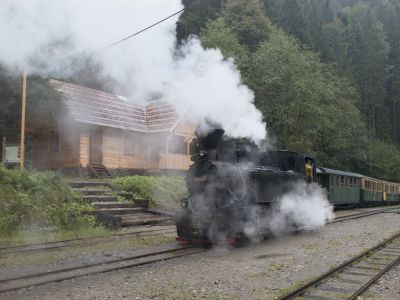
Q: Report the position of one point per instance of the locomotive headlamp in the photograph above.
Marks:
(184, 202)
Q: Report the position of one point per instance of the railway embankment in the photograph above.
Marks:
(258, 271)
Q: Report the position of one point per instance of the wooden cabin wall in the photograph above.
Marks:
(84, 147)
(172, 161)
(113, 150)
(149, 148)
(68, 154)
(185, 129)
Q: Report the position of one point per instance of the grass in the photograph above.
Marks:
(33, 236)
(42, 199)
(163, 192)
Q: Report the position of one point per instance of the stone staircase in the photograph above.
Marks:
(112, 213)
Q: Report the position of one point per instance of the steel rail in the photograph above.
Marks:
(16, 283)
(362, 215)
(313, 283)
(84, 241)
(56, 244)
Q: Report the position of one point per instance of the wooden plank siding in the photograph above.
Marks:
(149, 150)
(84, 148)
(66, 156)
(185, 129)
(113, 150)
(173, 161)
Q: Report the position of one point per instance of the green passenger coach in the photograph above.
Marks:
(350, 189)
(375, 191)
(343, 187)
(372, 190)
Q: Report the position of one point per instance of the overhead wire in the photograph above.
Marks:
(194, 4)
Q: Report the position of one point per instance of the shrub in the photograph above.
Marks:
(40, 198)
(162, 191)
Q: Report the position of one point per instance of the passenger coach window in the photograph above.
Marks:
(342, 180)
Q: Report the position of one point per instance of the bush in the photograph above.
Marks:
(43, 199)
(162, 191)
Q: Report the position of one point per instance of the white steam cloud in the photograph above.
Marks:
(46, 36)
(304, 206)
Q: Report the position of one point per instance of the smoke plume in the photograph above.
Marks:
(303, 206)
(47, 37)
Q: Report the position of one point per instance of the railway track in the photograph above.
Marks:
(93, 240)
(350, 279)
(363, 214)
(17, 283)
(80, 241)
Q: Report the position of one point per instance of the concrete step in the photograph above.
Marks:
(113, 204)
(120, 211)
(143, 220)
(100, 198)
(82, 184)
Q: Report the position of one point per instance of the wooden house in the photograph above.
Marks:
(93, 132)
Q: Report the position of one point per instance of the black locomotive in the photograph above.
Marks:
(233, 186)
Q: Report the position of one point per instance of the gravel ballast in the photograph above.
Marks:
(258, 271)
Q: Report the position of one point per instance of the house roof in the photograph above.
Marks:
(95, 107)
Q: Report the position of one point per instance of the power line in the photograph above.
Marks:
(195, 4)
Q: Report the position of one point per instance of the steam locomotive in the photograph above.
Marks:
(232, 186)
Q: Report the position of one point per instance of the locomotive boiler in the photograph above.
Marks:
(233, 187)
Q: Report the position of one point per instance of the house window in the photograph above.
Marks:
(54, 141)
(177, 145)
(129, 146)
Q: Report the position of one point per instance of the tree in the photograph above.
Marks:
(216, 34)
(368, 52)
(193, 19)
(335, 46)
(308, 107)
(248, 21)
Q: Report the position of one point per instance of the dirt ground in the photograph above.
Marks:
(258, 271)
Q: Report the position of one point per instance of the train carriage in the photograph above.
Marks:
(392, 192)
(343, 187)
(372, 191)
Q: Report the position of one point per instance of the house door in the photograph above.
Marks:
(95, 147)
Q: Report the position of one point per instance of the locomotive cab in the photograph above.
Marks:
(289, 161)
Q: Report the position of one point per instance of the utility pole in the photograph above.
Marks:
(23, 113)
